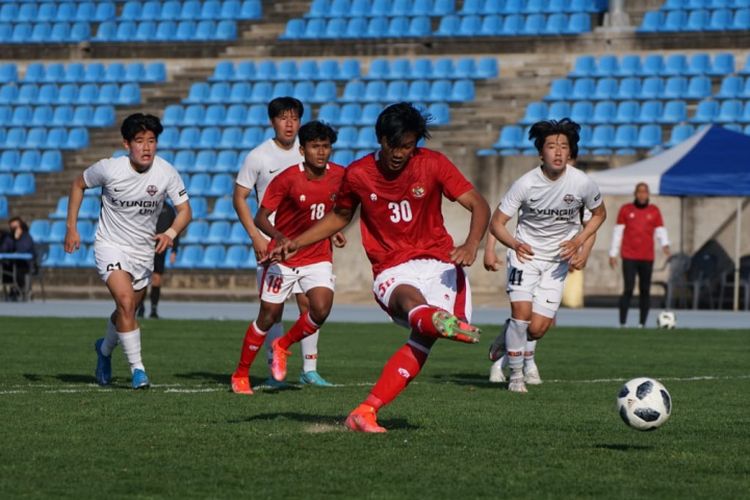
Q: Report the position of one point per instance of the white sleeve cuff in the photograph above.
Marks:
(614, 249)
(661, 235)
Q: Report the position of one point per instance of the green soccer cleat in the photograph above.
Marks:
(452, 328)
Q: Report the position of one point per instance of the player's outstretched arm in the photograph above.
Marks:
(333, 222)
(72, 239)
(166, 239)
(465, 254)
(570, 247)
(239, 200)
(499, 230)
(491, 262)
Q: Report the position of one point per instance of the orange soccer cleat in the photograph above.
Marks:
(363, 419)
(241, 385)
(278, 364)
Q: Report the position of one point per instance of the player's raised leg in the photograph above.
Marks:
(120, 285)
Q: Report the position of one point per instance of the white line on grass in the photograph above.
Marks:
(197, 389)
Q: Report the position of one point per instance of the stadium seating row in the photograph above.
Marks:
(70, 93)
(35, 72)
(188, 257)
(704, 4)
(44, 32)
(379, 69)
(632, 65)
(53, 11)
(43, 138)
(695, 20)
(450, 26)
(57, 116)
(166, 31)
(378, 8)
(31, 160)
(674, 87)
(257, 115)
(674, 111)
(19, 185)
(191, 10)
(326, 91)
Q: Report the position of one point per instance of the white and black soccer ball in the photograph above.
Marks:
(644, 403)
(666, 320)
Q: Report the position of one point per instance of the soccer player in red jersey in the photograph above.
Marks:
(633, 239)
(300, 196)
(418, 275)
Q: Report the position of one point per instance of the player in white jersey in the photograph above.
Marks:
(134, 188)
(259, 168)
(549, 240)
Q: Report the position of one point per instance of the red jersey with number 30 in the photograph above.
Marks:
(401, 217)
(299, 203)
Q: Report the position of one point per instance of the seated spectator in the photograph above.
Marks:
(18, 240)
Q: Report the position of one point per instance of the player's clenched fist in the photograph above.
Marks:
(72, 241)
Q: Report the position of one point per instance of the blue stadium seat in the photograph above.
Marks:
(723, 64)
(741, 20)
(236, 256)
(225, 30)
(602, 137)
(347, 137)
(210, 10)
(173, 115)
(257, 115)
(606, 88)
(721, 19)
(27, 94)
(606, 66)
(706, 112)
(729, 111)
(251, 137)
(194, 114)
(329, 113)
(511, 137)
(105, 11)
(675, 88)
(653, 65)
(397, 27)
(331, 70)
(221, 185)
(649, 136)
(209, 138)
(189, 138)
(185, 29)
(584, 66)
(251, 9)
(239, 92)
(23, 184)
(625, 136)
(223, 72)
(558, 110)
(604, 112)
(314, 29)
(629, 88)
(673, 5)
(675, 20)
(583, 89)
(38, 229)
(325, 91)
(36, 138)
(342, 157)
(697, 20)
(131, 11)
(16, 138)
(90, 207)
(440, 113)
(745, 117)
(226, 161)
(699, 87)
(35, 72)
(699, 64)
(165, 31)
(184, 160)
(581, 112)
(370, 113)
(103, 116)
(533, 25)
(627, 112)
(396, 91)
(578, 23)
(8, 73)
(218, 232)
(204, 162)
(679, 134)
(199, 184)
(57, 137)
(190, 256)
(731, 87)
(652, 88)
(191, 10)
(281, 89)
(215, 115)
(449, 26)
(535, 112)
(218, 92)
(6, 179)
(223, 210)
(675, 65)
(674, 112)
(650, 112)
(560, 90)
(261, 92)
(295, 29)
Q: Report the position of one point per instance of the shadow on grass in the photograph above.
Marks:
(480, 381)
(325, 420)
(623, 447)
(75, 378)
(32, 377)
(217, 378)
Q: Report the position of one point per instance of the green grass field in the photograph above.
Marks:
(452, 434)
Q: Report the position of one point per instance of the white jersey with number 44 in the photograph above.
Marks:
(549, 212)
(131, 202)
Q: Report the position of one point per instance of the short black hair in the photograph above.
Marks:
(281, 105)
(316, 130)
(138, 122)
(567, 127)
(21, 222)
(399, 119)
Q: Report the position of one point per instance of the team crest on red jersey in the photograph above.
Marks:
(417, 191)
(569, 198)
(302, 198)
(152, 190)
(373, 197)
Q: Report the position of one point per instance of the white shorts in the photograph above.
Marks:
(537, 281)
(259, 280)
(110, 258)
(442, 285)
(279, 281)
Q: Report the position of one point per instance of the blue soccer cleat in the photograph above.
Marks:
(313, 378)
(272, 383)
(103, 371)
(140, 379)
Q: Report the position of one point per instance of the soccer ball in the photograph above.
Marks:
(644, 404)
(666, 320)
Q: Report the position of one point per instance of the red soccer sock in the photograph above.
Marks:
(250, 346)
(420, 319)
(403, 366)
(304, 327)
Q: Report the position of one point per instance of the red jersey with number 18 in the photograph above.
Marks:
(401, 217)
(299, 203)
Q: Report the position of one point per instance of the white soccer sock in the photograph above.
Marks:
(528, 353)
(131, 345)
(110, 338)
(515, 342)
(275, 332)
(310, 352)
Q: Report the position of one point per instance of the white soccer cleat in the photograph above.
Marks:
(516, 383)
(496, 371)
(531, 375)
